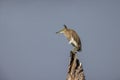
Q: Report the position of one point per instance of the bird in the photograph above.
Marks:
(72, 37)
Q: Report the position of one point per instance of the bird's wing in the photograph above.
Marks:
(76, 37)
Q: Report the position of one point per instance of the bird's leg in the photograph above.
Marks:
(74, 50)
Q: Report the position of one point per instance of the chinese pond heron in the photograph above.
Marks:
(72, 37)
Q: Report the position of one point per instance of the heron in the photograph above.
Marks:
(72, 37)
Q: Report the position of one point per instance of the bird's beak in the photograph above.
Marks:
(61, 31)
(57, 32)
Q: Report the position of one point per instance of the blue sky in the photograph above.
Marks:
(30, 49)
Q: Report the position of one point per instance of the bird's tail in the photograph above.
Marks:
(79, 49)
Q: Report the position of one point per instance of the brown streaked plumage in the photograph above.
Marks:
(72, 37)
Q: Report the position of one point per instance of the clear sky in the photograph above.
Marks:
(30, 49)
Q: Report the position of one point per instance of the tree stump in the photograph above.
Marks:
(75, 70)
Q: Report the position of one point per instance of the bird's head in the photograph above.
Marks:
(62, 30)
